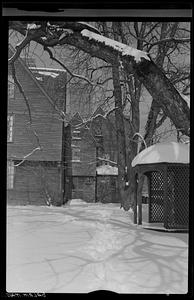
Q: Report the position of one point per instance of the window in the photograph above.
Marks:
(10, 128)
(11, 87)
(10, 174)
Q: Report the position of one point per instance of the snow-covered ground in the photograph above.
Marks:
(82, 247)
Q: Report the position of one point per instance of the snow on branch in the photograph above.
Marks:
(92, 118)
(186, 99)
(27, 155)
(107, 160)
(139, 134)
(123, 49)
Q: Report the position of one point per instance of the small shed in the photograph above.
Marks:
(166, 166)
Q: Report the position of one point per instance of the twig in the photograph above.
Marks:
(139, 134)
(60, 63)
(92, 118)
(107, 160)
(163, 118)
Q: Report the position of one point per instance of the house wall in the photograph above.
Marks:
(45, 122)
(38, 100)
(79, 174)
(107, 189)
(83, 187)
(104, 132)
(33, 182)
(97, 140)
(87, 165)
(45, 131)
(46, 128)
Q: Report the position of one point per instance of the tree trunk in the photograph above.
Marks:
(146, 71)
(165, 94)
(120, 134)
(127, 180)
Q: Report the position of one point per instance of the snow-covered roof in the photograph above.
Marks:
(107, 170)
(122, 48)
(47, 71)
(171, 152)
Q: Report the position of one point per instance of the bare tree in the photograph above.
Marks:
(133, 72)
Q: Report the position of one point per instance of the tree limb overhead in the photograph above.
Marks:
(48, 34)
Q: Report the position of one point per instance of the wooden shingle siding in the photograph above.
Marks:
(99, 139)
(45, 121)
(37, 100)
(83, 187)
(86, 166)
(31, 182)
(42, 169)
(82, 169)
(17, 197)
(107, 189)
(49, 132)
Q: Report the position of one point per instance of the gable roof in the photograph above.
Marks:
(98, 111)
(76, 119)
(40, 87)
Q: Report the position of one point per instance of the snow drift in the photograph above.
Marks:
(87, 247)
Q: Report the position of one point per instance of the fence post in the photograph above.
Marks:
(135, 202)
(139, 200)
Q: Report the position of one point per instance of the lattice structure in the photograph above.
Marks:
(156, 197)
(169, 197)
(177, 204)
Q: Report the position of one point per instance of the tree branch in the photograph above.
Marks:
(61, 64)
(27, 39)
(21, 91)
(27, 155)
(169, 40)
(107, 160)
(145, 70)
(160, 121)
(26, 101)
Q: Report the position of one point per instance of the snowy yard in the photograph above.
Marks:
(85, 247)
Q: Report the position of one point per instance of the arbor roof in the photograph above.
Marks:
(171, 152)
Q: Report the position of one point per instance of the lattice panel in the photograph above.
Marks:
(156, 206)
(177, 209)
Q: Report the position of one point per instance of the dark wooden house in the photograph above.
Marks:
(49, 162)
(80, 161)
(90, 157)
(34, 147)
